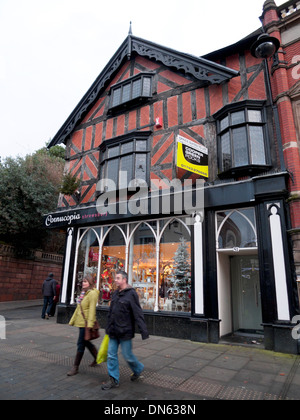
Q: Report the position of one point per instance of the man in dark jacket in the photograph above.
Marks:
(125, 311)
(49, 292)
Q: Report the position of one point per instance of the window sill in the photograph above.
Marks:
(125, 106)
(248, 170)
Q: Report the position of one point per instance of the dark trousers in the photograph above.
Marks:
(53, 309)
(82, 343)
(48, 302)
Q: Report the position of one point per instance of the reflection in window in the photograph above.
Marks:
(236, 229)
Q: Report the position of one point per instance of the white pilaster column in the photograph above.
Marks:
(279, 264)
(67, 265)
(198, 265)
(156, 308)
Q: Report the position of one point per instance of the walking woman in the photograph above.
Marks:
(85, 313)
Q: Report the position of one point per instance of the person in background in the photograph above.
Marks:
(55, 299)
(124, 311)
(86, 303)
(49, 292)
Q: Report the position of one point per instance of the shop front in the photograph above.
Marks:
(222, 270)
(156, 254)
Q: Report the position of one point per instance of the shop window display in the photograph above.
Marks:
(112, 260)
(156, 255)
(175, 268)
(142, 264)
(87, 258)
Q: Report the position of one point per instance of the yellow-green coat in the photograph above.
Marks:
(88, 306)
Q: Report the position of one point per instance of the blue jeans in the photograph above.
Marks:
(113, 361)
(48, 302)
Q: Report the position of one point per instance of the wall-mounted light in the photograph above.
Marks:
(265, 46)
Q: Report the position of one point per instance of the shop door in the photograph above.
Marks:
(246, 299)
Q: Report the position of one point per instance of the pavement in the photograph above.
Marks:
(36, 355)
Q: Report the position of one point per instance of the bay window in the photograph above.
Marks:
(242, 139)
(130, 154)
(129, 91)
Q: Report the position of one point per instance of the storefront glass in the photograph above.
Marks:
(113, 259)
(236, 229)
(87, 257)
(156, 255)
(175, 267)
(142, 264)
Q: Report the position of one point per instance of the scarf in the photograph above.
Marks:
(80, 298)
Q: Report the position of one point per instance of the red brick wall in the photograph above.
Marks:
(23, 279)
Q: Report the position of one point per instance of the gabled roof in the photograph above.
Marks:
(202, 69)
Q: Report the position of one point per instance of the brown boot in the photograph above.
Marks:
(94, 353)
(75, 368)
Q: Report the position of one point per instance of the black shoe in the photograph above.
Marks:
(111, 384)
(134, 377)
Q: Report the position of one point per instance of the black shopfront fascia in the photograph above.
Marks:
(257, 193)
(260, 193)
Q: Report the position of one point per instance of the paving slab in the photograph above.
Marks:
(37, 354)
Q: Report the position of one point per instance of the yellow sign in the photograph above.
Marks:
(192, 157)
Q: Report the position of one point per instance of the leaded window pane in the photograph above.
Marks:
(258, 154)
(238, 117)
(127, 148)
(224, 123)
(126, 165)
(147, 86)
(254, 115)
(240, 148)
(126, 93)
(116, 97)
(226, 152)
(113, 151)
(141, 166)
(136, 88)
(141, 145)
(113, 170)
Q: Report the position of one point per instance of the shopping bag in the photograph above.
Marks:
(102, 354)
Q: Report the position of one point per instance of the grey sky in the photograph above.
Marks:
(51, 51)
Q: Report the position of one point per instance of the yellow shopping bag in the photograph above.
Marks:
(102, 354)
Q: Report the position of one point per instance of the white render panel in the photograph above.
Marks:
(67, 265)
(198, 258)
(279, 266)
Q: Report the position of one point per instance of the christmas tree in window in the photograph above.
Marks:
(180, 277)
